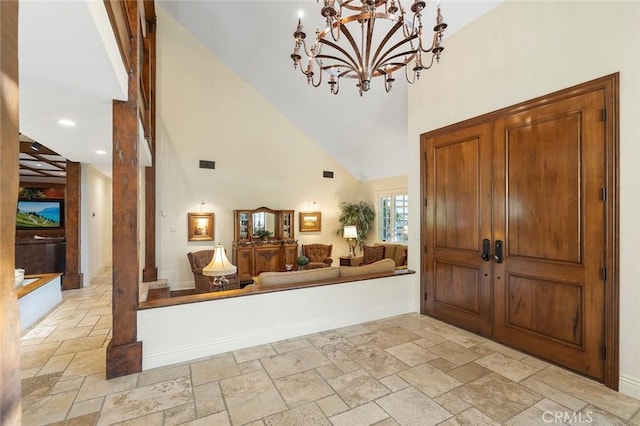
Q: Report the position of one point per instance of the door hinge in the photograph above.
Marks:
(425, 296)
(425, 202)
(425, 249)
(603, 113)
(603, 352)
(603, 194)
(603, 274)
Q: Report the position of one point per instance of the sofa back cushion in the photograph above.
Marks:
(397, 252)
(372, 254)
(379, 267)
(266, 279)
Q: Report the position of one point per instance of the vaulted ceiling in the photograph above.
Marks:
(68, 70)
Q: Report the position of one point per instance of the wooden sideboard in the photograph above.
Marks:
(253, 257)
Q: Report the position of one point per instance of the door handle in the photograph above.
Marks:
(486, 246)
(498, 252)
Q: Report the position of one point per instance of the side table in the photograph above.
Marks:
(345, 261)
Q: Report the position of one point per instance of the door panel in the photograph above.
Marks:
(457, 286)
(543, 189)
(459, 214)
(537, 306)
(549, 297)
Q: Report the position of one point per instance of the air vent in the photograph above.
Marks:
(204, 164)
(327, 174)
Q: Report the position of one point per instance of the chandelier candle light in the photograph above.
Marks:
(219, 267)
(352, 50)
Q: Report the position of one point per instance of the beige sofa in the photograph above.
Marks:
(396, 252)
(343, 273)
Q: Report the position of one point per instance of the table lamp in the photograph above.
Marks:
(350, 233)
(219, 267)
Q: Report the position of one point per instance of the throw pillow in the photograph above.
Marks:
(372, 254)
(403, 259)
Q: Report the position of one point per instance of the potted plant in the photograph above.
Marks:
(302, 261)
(262, 233)
(360, 215)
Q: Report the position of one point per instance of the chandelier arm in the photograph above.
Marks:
(354, 63)
(385, 40)
(310, 79)
(406, 74)
(353, 44)
(343, 63)
(430, 63)
(385, 56)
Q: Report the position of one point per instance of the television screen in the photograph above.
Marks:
(39, 214)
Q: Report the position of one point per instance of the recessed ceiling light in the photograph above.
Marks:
(38, 165)
(66, 122)
(101, 152)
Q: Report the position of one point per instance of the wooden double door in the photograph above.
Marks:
(515, 222)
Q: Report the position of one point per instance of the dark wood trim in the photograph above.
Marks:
(610, 86)
(120, 22)
(124, 352)
(72, 277)
(150, 271)
(10, 376)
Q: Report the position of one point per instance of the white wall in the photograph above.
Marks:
(521, 50)
(195, 330)
(95, 222)
(206, 112)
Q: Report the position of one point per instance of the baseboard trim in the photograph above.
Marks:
(629, 386)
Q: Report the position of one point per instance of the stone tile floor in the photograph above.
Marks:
(405, 370)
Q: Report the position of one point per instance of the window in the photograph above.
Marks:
(393, 217)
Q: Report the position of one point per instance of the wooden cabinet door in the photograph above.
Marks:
(458, 218)
(243, 259)
(267, 257)
(549, 212)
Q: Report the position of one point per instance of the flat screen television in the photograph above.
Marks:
(44, 213)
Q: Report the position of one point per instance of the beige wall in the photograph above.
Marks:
(96, 222)
(206, 112)
(521, 50)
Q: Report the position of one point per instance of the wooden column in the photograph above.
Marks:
(124, 353)
(72, 277)
(150, 271)
(10, 379)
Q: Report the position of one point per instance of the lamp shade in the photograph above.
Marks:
(350, 232)
(219, 265)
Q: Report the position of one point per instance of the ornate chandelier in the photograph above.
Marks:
(353, 50)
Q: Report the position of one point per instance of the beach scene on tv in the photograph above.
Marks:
(38, 214)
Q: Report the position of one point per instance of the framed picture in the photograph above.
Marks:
(310, 221)
(200, 226)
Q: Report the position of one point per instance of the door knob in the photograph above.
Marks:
(499, 257)
(486, 246)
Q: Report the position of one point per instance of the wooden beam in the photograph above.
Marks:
(72, 277)
(150, 272)
(124, 352)
(10, 378)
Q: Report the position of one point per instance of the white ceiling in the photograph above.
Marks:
(67, 71)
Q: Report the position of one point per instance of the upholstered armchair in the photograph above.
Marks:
(319, 255)
(204, 283)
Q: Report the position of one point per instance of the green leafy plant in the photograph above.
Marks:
(360, 215)
(262, 233)
(302, 261)
(30, 193)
